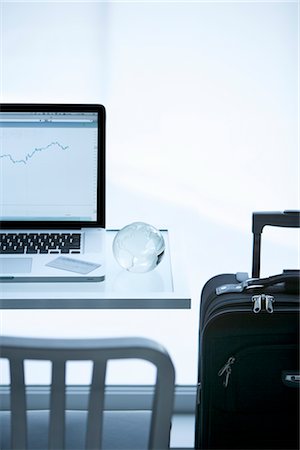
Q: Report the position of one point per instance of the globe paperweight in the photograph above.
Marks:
(138, 247)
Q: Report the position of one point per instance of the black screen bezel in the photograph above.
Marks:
(48, 107)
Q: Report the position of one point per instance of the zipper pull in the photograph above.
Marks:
(198, 393)
(256, 299)
(269, 299)
(226, 369)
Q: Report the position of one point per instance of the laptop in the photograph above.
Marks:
(52, 192)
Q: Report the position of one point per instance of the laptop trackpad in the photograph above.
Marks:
(15, 265)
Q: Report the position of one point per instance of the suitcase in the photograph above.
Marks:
(248, 373)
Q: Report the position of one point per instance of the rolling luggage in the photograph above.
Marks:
(248, 374)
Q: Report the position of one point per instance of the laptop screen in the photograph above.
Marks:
(52, 165)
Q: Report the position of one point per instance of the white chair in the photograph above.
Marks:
(58, 428)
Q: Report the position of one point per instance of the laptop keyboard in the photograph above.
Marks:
(17, 243)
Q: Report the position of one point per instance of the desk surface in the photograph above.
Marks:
(163, 288)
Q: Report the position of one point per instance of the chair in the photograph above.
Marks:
(58, 428)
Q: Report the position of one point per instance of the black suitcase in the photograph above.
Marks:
(248, 374)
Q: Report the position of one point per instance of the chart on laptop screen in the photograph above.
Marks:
(48, 166)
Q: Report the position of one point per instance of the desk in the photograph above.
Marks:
(162, 288)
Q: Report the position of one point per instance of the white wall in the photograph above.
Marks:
(202, 129)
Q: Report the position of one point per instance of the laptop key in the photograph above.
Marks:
(19, 250)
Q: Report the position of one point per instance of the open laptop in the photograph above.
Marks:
(52, 192)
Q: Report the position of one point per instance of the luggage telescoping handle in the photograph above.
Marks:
(290, 219)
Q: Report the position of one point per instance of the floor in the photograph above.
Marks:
(182, 433)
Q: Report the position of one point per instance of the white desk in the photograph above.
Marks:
(162, 288)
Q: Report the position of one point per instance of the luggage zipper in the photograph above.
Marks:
(227, 306)
(263, 299)
(226, 370)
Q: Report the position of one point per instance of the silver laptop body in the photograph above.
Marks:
(52, 192)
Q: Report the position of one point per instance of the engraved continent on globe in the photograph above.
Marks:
(139, 247)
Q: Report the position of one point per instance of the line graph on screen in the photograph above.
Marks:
(28, 156)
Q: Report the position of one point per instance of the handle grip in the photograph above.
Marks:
(290, 219)
(291, 279)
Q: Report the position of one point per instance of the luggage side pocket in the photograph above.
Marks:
(254, 381)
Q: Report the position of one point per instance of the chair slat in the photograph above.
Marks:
(18, 405)
(96, 405)
(162, 407)
(57, 407)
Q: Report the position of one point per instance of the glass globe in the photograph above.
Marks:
(138, 247)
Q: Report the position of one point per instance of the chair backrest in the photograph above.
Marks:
(99, 351)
